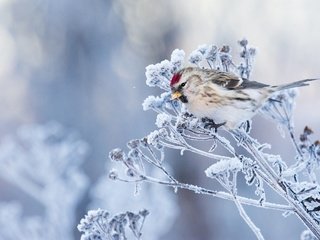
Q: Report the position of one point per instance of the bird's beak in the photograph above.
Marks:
(176, 95)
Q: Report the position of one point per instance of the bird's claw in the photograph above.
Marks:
(188, 115)
(210, 124)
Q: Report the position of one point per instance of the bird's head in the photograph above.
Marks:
(183, 82)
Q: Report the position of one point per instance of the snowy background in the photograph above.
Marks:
(72, 80)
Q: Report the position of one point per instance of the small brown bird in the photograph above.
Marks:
(222, 96)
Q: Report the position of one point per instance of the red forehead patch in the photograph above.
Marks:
(176, 78)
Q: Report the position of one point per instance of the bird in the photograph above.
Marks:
(223, 97)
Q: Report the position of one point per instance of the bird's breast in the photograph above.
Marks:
(231, 111)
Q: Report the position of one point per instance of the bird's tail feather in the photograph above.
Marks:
(301, 83)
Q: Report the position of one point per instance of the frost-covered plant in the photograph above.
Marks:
(98, 224)
(177, 129)
(117, 197)
(44, 162)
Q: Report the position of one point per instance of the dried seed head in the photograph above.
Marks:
(117, 155)
(225, 49)
(135, 143)
(303, 138)
(113, 174)
(307, 130)
(243, 42)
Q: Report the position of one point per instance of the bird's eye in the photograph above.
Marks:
(183, 84)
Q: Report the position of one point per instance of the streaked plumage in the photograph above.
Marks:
(221, 96)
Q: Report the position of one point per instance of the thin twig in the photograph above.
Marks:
(247, 219)
(219, 194)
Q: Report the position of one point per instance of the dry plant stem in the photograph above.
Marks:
(247, 219)
(281, 189)
(158, 165)
(291, 132)
(271, 178)
(233, 190)
(293, 139)
(187, 147)
(262, 162)
(219, 194)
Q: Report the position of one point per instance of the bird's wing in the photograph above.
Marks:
(225, 79)
(232, 81)
(252, 84)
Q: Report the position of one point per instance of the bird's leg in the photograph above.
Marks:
(209, 124)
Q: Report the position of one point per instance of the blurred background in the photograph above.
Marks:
(81, 64)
